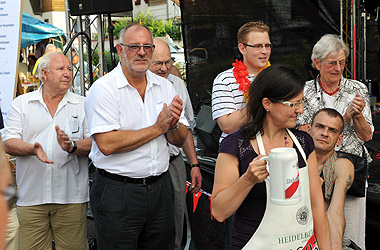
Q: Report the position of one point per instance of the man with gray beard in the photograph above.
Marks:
(132, 115)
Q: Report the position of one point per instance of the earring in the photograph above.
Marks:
(267, 110)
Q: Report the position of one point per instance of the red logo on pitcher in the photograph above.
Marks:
(292, 189)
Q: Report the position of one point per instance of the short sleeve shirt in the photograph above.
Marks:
(113, 104)
(181, 90)
(226, 96)
(65, 181)
(250, 213)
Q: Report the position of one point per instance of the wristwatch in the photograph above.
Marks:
(195, 165)
(75, 146)
(175, 128)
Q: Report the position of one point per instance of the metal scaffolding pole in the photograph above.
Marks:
(364, 21)
(100, 45)
(68, 26)
(353, 41)
(89, 25)
(353, 20)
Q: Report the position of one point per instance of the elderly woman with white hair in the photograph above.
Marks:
(350, 98)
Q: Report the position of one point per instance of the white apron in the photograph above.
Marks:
(287, 227)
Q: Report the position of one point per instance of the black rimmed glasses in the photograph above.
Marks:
(294, 104)
(148, 48)
(158, 64)
(259, 46)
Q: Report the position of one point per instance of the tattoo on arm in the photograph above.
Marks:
(348, 183)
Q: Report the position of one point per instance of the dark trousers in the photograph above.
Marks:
(133, 216)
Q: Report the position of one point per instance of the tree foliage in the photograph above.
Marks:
(158, 27)
(107, 55)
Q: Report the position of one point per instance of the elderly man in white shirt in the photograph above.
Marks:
(52, 167)
(133, 114)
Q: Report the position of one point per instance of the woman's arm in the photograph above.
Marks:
(321, 224)
(230, 190)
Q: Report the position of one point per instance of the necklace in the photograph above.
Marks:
(324, 90)
(286, 139)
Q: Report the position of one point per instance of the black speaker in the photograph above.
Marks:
(91, 7)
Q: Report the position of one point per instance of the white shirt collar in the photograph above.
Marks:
(69, 96)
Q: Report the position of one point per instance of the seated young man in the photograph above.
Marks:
(337, 174)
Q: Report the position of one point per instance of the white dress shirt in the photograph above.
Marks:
(181, 90)
(65, 181)
(113, 104)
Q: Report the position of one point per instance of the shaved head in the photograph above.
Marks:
(161, 61)
(161, 47)
(50, 48)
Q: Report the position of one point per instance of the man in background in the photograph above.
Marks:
(50, 48)
(228, 101)
(161, 65)
(337, 173)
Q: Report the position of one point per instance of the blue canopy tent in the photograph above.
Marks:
(35, 30)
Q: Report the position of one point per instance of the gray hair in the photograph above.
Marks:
(121, 33)
(45, 63)
(328, 43)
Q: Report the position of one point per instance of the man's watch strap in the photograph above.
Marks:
(195, 165)
(75, 146)
(175, 128)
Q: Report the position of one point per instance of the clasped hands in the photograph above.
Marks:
(169, 115)
(355, 109)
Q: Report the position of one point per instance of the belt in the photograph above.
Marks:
(173, 157)
(125, 179)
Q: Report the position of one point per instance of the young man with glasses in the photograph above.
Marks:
(132, 115)
(228, 101)
(161, 65)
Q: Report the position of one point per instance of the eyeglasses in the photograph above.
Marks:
(294, 104)
(259, 46)
(158, 64)
(148, 48)
(332, 64)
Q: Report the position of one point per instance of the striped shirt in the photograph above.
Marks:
(226, 97)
